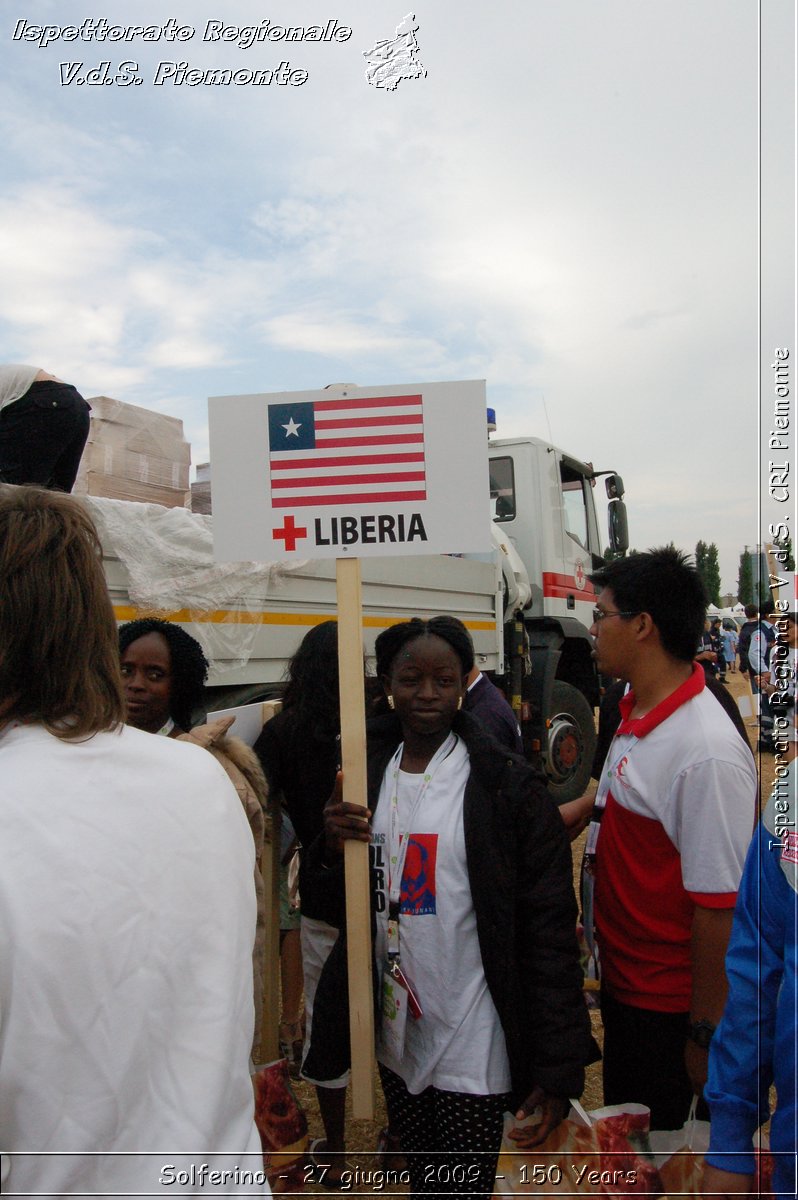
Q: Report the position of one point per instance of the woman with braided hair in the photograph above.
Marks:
(164, 671)
(474, 916)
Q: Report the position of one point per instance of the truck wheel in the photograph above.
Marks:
(570, 743)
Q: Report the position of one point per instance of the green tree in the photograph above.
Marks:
(762, 582)
(785, 547)
(706, 561)
(712, 573)
(745, 579)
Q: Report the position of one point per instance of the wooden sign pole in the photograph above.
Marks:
(356, 854)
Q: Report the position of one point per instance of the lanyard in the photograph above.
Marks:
(398, 842)
(600, 802)
(588, 873)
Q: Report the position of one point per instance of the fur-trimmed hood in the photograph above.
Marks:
(244, 772)
(214, 737)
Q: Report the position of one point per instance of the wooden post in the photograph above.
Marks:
(356, 854)
(270, 871)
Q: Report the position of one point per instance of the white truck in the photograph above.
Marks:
(528, 604)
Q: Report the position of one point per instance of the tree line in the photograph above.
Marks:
(752, 590)
(749, 590)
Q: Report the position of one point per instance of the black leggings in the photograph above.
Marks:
(451, 1139)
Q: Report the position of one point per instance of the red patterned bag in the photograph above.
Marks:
(611, 1156)
(282, 1126)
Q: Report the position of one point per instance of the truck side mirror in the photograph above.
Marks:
(614, 485)
(618, 525)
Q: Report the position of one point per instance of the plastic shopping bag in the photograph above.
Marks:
(282, 1126)
(679, 1156)
(603, 1153)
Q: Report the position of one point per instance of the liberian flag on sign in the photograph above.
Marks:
(357, 451)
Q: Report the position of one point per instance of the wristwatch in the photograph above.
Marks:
(701, 1033)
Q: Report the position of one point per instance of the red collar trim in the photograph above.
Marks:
(643, 725)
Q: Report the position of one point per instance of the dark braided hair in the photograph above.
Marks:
(449, 629)
(189, 665)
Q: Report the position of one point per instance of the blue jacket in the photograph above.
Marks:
(755, 1044)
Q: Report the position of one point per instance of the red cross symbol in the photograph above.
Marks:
(290, 533)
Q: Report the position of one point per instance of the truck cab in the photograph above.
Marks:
(544, 505)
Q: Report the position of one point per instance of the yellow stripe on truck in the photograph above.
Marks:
(222, 616)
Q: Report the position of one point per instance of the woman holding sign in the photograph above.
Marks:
(475, 948)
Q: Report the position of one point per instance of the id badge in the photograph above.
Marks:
(393, 1025)
(413, 1002)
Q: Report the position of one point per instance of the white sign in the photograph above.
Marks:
(350, 472)
(248, 721)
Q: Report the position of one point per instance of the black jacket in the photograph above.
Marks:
(300, 769)
(521, 874)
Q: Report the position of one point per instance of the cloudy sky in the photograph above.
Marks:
(565, 206)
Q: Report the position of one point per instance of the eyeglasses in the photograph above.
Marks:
(600, 615)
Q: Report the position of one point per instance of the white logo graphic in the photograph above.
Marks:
(390, 60)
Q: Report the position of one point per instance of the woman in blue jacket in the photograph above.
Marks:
(754, 1045)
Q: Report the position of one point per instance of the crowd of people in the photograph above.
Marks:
(133, 909)
(721, 643)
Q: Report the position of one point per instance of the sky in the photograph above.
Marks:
(564, 205)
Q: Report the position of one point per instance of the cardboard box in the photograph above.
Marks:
(113, 487)
(137, 429)
(106, 459)
(134, 454)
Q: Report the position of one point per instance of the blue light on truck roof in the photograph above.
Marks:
(491, 420)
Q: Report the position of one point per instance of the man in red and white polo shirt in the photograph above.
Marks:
(674, 815)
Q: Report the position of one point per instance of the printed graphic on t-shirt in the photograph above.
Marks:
(789, 848)
(620, 768)
(419, 890)
(377, 858)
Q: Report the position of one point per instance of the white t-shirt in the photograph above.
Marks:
(15, 380)
(681, 800)
(758, 647)
(127, 919)
(458, 1044)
